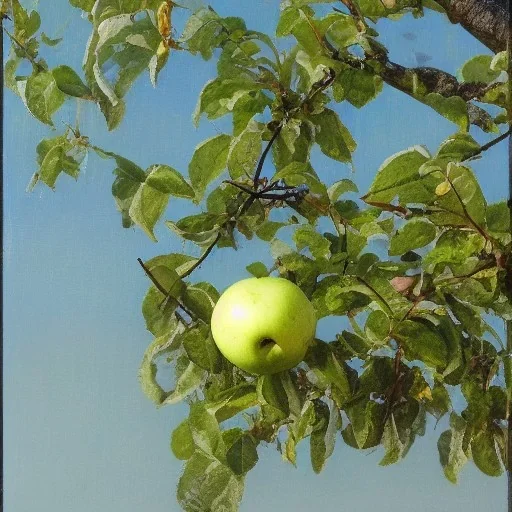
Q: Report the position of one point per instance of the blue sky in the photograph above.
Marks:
(79, 435)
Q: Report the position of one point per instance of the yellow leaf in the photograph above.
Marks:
(443, 188)
(164, 19)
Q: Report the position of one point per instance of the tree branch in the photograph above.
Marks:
(203, 256)
(487, 20)
(261, 161)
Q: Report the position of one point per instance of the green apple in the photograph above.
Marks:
(263, 325)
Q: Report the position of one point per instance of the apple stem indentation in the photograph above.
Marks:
(266, 342)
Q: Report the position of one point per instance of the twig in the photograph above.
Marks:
(162, 290)
(261, 161)
(23, 47)
(154, 280)
(203, 257)
(490, 144)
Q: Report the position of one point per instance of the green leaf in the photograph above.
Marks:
(338, 295)
(308, 236)
(498, 217)
(455, 247)
(246, 107)
(70, 83)
(454, 108)
(458, 147)
(377, 327)
(268, 229)
(271, 392)
(43, 97)
(358, 87)
(341, 29)
(422, 341)
(415, 233)
(242, 456)
(187, 382)
(500, 61)
(201, 349)
(148, 368)
(299, 173)
(327, 371)
(483, 450)
(398, 176)
(220, 96)
(209, 485)
(147, 206)
(440, 403)
(201, 32)
(478, 69)
(169, 181)
(341, 187)
(333, 137)
(323, 436)
(85, 5)
(233, 401)
(25, 24)
(244, 151)
(206, 431)
(464, 189)
(182, 442)
(257, 269)
(453, 452)
(393, 446)
(201, 228)
(158, 313)
(200, 298)
(56, 156)
(48, 41)
(208, 162)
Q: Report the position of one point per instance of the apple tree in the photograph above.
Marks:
(419, 312)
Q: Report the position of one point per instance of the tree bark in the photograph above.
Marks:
(487, 20)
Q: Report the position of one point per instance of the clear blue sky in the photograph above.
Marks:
(79, 434)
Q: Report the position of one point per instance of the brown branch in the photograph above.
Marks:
(487, 20)
(203, 256)
(490, 144)
(261, 161)
(164, 292)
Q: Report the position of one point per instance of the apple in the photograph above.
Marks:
(263, 325)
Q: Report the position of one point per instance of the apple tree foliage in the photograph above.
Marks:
(417, 314)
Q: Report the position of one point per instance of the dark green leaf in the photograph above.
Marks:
(70, 83)
(257, 269)
(333, 137)
(422, 341)
(200, 298)
(453, 453)
(201, 349)
(483, 450)
(242, 456)
(359, 87)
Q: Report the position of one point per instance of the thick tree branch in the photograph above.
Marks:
(487, 20)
